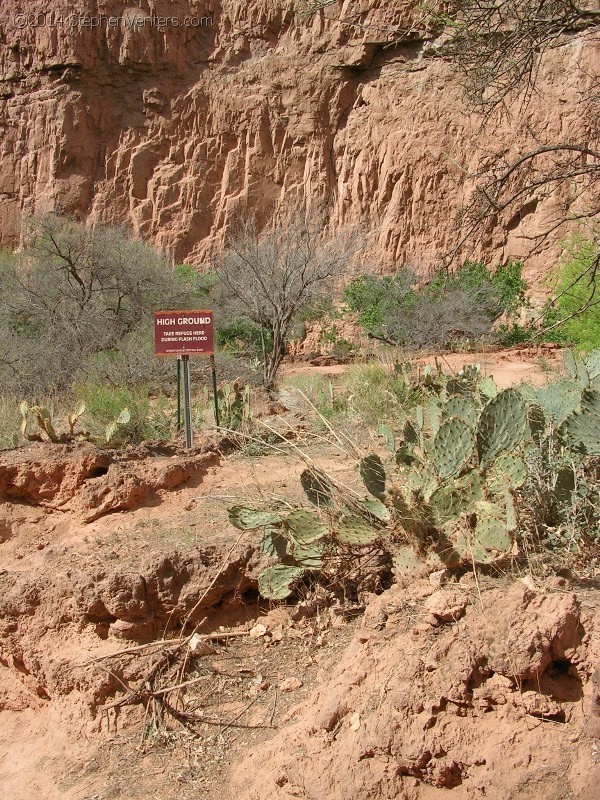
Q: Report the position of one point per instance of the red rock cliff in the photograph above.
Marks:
(173, 129)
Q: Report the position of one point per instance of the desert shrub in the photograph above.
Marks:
(449, 309)
(510, 335)
(574, 316)
(375, 394)
(10, 419)
(328, 400)
(77, 292)
(270, 276)
(377, 299)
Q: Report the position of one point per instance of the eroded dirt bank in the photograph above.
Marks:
(486, 687)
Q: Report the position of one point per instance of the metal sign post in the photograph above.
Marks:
(185, 333)
(178, 394)
(187, 403)
(214, 383)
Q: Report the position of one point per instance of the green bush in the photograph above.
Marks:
(450, 309)
(75, 297)
(575, 281)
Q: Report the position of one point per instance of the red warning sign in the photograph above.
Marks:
(183, 333)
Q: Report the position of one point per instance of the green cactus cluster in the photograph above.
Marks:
(43, 419)
(463, 467)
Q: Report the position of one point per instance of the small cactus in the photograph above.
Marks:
(305, 526)
(316, 487)
(374, 508)
(462, 408)
(507, 469)
(452, 447)
(353, 530)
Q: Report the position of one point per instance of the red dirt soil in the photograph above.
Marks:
(465, 686)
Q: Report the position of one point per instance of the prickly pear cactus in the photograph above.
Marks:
(276, 582)
(592, 363)
(374, 508)
(507, 470)
(353, 530)
(247, 519)
(462, 408)
(502, 426)
(274, 543)
(581, 430)
(388, 435)
(491, 538)
(316, 487)
(559, 400)
(113, 427)
(452, 447)
(306, 527)
(487, 387)
(372, 473)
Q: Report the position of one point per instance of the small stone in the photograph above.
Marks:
(448, 606)
(257, 631)
(355, 721)
(439, 578)
(290, 684)
(199, 646)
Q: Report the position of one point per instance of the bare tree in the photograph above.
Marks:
(268, 276)
(76, 291)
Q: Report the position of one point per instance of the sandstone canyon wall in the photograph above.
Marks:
(175, 130)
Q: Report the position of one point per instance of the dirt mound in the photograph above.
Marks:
(502, 702)
(84, 478)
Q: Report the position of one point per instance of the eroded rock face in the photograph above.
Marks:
(175, 130)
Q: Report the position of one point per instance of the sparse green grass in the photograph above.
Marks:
(10, 419)
(369, 393)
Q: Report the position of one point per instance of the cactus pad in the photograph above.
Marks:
(491, 538)
(461, 408)
(506, 470)
(570, 363)
(559, 400)
(581, 431)
(309, 556)
(372, 472)
(353, 530)
(452, 447)
(388, 435)
(247, 519)
(375, 508)
(306, 526)
(273, 543)
(275, 583)
(592, 363)
(487, 387)
(316, 487)
(501, 426)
